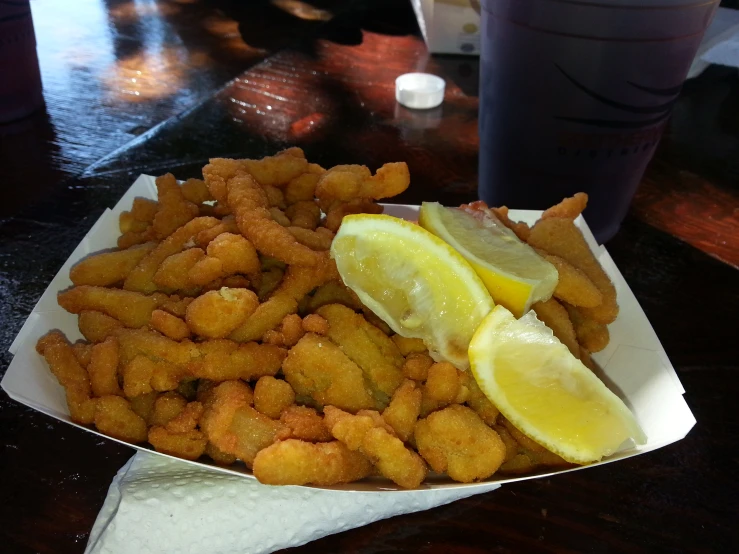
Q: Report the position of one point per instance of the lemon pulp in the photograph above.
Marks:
(513, 272)
(414, 281)
(545, 391)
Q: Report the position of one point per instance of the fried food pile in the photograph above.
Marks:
(221, 328)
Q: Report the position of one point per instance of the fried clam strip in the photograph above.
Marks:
(523, 455)
(294, 462)
(131, 309)
(343, 183)
(235, 427)
(573, 286)
(593, 336)
(63, 364)
(368, 347)
(108, 268)
(555, 316)
(179, 436)
(141, 279)
(318, 369)
(457, 442)
(560, 237)
(153, 362)
(297, 282)
(250, 205)
(369, 435)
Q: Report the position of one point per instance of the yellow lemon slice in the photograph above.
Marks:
(512, 271)
(414, 281)
(545, 391)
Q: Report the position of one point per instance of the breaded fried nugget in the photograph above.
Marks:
(417, 364)
(305, 424)
(409, 345)
(560, 237)
(141, 278)
(443, 384)
(115, 418)
(355, 206)
(346, 182)
(221, 360)
(317, 368)
(216, 314)
(189, 445)
(318, 240)
(457, 442)
(135, 225)
(83, 353)
(271, 396)
(97, 326)
(227, 225)
(143, 405)
(142, 375)
(278, 170)
(173, 211)
(386, 451)
(103, 368)
(250, 206)
(373, 351)
(298, 282)
(305, 214)
(237, 255)
(294, 462)
(573, 286)
(403, 410)
(167, 407)
(552, 314)
(172, 275)
(132, 309)
(303, 187)
(63, 364)
(232, 425)
(288, 333)
(169, 325)
(195, 191)
(314, 323)
(108, 268)
(568, 208)
(593, 336)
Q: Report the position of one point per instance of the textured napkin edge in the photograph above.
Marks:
(144, 466)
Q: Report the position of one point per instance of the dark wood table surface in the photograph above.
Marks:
(148, 87)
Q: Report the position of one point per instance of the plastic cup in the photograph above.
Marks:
(575, 95)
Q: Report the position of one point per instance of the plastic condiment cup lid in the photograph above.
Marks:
(419, 90)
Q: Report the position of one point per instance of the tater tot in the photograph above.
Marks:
(216, 314)
(103, 368)
(115, 418)
(271, 396)
(169, 325)
(457, 442)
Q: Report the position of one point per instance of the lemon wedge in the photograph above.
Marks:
(547, 393)
(414, 281)
(512, 271)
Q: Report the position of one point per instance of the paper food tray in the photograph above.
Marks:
(634, 364)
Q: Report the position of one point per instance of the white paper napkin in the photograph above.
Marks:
(720, 43)
(158, 505)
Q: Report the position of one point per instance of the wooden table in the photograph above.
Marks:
(147, 87)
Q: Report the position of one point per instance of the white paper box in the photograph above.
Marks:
(449, 26)
(634, 364)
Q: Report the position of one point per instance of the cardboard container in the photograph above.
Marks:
(634, 365)
(449, 26)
